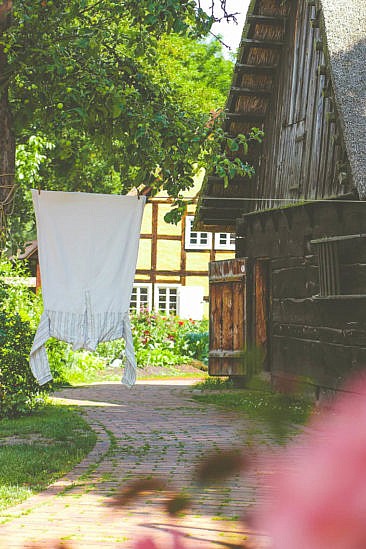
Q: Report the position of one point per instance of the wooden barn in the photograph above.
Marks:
(297, 289)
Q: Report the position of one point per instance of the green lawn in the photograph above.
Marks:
(37, 449)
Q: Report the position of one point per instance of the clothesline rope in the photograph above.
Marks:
(299, 201)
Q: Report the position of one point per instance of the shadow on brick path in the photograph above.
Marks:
(153, 428)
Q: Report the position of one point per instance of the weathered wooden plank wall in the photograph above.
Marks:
(302, 151)
(322, 340)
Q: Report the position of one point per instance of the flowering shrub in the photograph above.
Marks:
(169, 333)
(161, 340)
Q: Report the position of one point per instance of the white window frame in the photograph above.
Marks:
(156, 297)
(189, 245)
(139, 285)
(227, 245)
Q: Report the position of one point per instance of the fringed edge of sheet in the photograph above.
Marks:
(129, 373)
(38, 359)
(62, 326)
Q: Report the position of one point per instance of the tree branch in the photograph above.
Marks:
(219, 40)
(89, 8)
(226, 15)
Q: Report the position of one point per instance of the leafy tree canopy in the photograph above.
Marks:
(109, 95)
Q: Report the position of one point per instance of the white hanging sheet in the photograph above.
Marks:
(87, 246)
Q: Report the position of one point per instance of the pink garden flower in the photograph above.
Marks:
(317, 498)
(149, 543)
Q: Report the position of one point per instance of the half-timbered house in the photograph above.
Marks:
(172, 266)
(298, 287)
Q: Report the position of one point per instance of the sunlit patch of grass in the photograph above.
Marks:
(11, 495)
(279, 412)
(215, 384)
(38, 449)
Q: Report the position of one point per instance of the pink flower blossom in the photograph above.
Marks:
(145, 543)
(317, 498)
(149, 543)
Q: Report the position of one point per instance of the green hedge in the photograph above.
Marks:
(19, 391)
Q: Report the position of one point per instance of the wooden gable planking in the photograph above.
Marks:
(282, 83)
(247, 104)
(303, 152)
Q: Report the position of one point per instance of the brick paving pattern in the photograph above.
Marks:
(154, 428)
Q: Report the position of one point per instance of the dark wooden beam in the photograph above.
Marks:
(149, 236)
(266, 19)
(218, 221)
(222, 202)
(225, 209)
(248, 91)
(154, 241)
(261, 43)
(246, 116)
(171, 272)
(243, 67)
(229, 216)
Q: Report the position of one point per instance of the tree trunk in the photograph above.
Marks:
(7, 138)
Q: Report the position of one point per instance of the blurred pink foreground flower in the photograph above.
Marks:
(317, 498)
(149, 543)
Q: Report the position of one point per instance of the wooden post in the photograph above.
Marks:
(38, 278)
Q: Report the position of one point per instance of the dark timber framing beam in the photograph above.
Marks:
(249, 91)
(245, 116)
(261, 43)
(267, 19)
(243, 67)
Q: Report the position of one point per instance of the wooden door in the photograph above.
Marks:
(229, 320)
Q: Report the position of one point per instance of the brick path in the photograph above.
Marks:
(153, 428)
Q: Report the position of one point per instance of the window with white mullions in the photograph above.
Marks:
(166, 299)
(224, 241)
(196, 240)
(140, 298)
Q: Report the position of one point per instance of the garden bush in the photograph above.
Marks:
(19, 391)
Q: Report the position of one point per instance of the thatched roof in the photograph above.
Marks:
(345, 37)
(343, 33)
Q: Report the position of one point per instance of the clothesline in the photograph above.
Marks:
(294, 200)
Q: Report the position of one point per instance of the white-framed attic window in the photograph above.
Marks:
(141, 297)
(224, 241)
(196, 240)
(166, 298)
